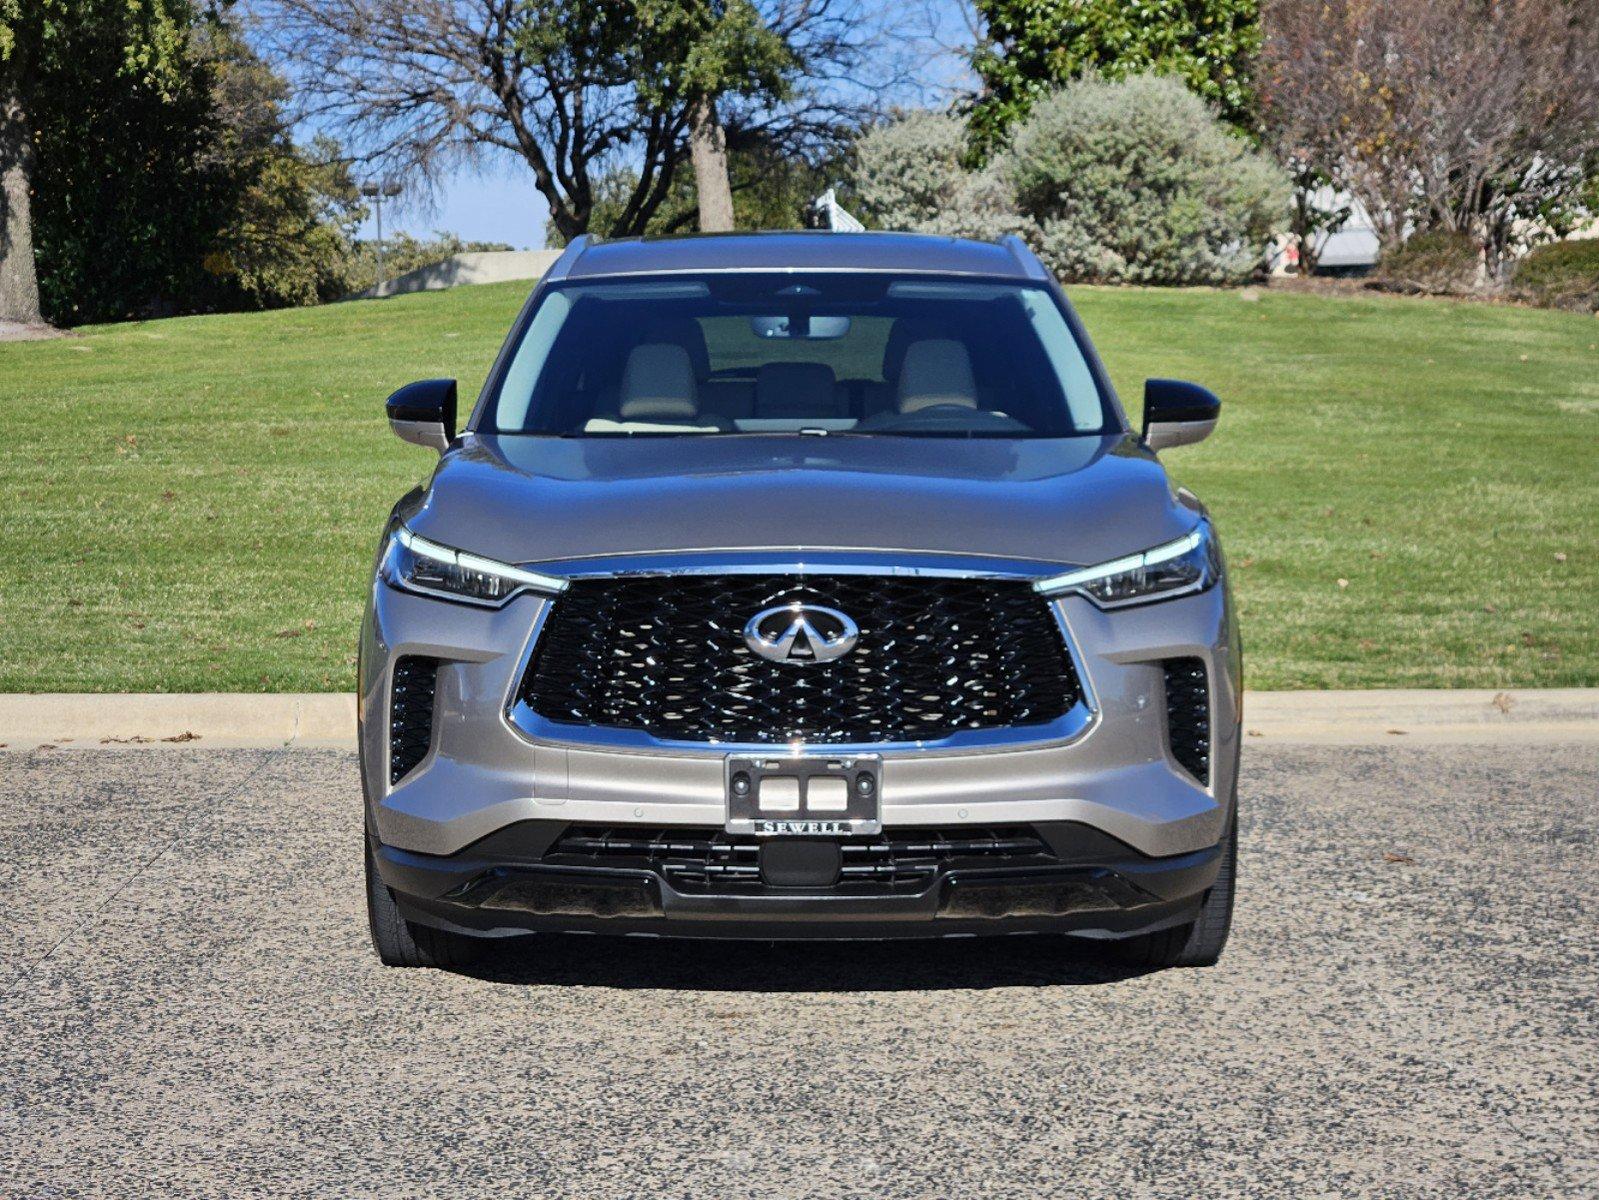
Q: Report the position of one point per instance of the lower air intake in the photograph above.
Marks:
(1188, 715)
(411, 713)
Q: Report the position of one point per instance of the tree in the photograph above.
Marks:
(768, 187)
(1032, 48)
(1474, 116)
(19, 288)
(41, 42)
(57, 54)
(154, 172)
(287, 217)
(575, 88)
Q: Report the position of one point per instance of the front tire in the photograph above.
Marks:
(402, 943)
(1199, 943)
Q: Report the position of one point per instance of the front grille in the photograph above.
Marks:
(666, 655)
(411, 713)
(1188, 715)
(695, 858)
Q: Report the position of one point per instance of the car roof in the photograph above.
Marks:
(799, 250)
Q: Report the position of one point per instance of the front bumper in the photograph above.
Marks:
(482, 774)
(518, 880)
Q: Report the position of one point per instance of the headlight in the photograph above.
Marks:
(1190, 564)
(418, 565)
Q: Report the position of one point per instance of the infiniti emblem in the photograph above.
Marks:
(801, 633)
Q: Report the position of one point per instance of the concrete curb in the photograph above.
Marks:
(1522, 716)
(205, 720)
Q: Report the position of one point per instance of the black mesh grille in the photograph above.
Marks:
(411, 713)
(707, 858)
(1188, 715)
(666, 655)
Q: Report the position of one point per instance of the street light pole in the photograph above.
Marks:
(377, 190)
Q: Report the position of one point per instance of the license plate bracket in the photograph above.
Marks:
(776, 795)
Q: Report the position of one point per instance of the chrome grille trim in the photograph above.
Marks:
(1074, 725)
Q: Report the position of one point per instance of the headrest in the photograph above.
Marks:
(789, 389)
(684, 332)
(658, 382)
(904, 333)
(936, 371)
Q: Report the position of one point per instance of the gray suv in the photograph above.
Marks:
(805, 585)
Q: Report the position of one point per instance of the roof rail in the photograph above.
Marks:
(1024, 256)
(562, 267)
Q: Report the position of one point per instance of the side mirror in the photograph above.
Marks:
(424, 413)
(1178, 413)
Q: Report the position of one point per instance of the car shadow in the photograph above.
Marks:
(735, 966)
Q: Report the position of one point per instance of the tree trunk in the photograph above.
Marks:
(19, 285)
(708, 144)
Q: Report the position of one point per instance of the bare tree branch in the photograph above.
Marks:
(572, 87)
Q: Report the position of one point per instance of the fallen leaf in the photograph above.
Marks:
(185, 736)
(1343, 583)
(288, 633)
(1489, 608)
(135, 740)
(1397, 732)
(1503, 701)
(1560, 556)
(46, 746)
(1254, 733)
(1391, 857)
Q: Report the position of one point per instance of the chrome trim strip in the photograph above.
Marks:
(1077, 722)
(784, 561)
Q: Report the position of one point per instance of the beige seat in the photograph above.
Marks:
(937, 372)
(658, 385)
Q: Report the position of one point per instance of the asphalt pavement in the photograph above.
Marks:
(189, 1007)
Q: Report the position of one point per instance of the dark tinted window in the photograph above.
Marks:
(772, 353)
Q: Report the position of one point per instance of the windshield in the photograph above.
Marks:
(788, 353)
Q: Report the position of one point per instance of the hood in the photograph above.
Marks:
(1070, 501)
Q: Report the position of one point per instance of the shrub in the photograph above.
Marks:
(1136, 181)
(1561, 275)
(1440, 261)
(908, 175)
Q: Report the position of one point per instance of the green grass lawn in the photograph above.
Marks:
(1408, 489)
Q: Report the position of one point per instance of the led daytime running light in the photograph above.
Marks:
(462, 560)
(1072, 581)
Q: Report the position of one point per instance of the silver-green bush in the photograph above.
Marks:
(1136, 181)
(908, 175)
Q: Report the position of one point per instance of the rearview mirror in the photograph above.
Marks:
(424, 413)
(1178, 413)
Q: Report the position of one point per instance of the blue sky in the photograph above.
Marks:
(498, 203)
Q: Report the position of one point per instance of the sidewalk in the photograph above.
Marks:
(1531, 716)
